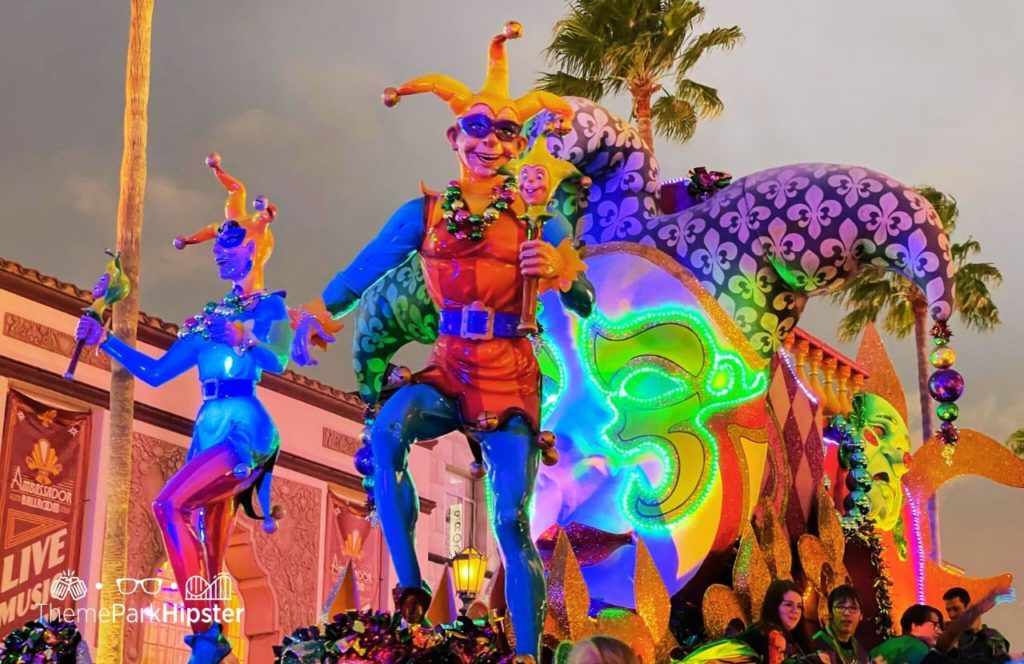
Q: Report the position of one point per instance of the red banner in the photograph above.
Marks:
(350, 537)
(44, 463)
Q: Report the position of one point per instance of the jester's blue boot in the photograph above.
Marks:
(208, 647)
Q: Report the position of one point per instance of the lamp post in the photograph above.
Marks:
(468, 568)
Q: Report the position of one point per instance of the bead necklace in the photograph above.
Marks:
(232, 305)
(461, 223)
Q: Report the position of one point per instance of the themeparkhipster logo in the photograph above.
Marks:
(154, 608)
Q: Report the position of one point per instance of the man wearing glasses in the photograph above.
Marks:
(921, 625)
(837, 639)
(925, 640)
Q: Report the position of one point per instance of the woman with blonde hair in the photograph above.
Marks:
(602, 650)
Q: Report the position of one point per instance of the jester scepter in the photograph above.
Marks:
(111, 287)
(539, 174)
(482, 377)
(235, 443)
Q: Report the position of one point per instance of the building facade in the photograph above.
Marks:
(281, 580)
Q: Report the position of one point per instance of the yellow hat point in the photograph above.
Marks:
(495, 91)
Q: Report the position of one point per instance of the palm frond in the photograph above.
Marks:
(703, 98)
(675, 26)
(854, 322)
(674, 118)
(567, 85)
(899, 317)
(576, 49)
(1016, 442)
(944, 204)
(722, 38)
(961, 251)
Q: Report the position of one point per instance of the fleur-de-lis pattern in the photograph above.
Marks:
(768, 241)
(392, 312)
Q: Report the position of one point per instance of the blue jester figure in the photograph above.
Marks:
(479, 261)
(235, 443)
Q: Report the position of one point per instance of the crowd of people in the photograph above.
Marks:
(781, 636)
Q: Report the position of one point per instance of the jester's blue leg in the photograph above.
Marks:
(415, 412)
(511, 458)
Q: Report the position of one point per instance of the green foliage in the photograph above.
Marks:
(638, 46)
(1016, 442)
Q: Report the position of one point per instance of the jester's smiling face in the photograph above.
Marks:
(485, 141)
(534, 184)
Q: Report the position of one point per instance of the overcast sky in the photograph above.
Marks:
(929, 91)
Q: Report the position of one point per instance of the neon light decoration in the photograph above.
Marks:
(661, 402)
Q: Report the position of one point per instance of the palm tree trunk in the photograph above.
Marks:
(920, 307)
(110, 646)
(923, 365)
(642, 111)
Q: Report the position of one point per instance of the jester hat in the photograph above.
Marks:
(256, 224)
(494, 94)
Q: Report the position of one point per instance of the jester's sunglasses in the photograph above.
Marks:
(479, 125)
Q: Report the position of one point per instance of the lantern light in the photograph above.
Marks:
(468, 568)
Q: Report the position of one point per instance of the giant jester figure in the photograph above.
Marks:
(235, 443)
(482, 377)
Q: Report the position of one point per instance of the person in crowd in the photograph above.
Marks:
(836, 639)
(925, 640)
(979, 642)
(921, 626)
(602, 650)
(780, 634)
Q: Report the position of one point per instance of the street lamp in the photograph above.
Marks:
(468, 568)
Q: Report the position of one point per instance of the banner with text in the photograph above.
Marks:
(350, 537)
(44, 454)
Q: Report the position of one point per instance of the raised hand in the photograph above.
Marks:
(89, 330)
(224, 331)
(307, 328)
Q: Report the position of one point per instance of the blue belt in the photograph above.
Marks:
(478, 321)
(229, 387)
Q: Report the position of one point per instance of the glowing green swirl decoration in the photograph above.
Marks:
(663, 374)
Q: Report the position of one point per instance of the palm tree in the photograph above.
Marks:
(110, 646)
(611, 46)
(1016, 442)
(874, 291)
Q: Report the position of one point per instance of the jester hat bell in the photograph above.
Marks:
(494, 93)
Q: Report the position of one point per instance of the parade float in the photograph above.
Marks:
(703, 444)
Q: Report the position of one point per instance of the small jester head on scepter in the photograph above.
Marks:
(539, 174)
(487, 133)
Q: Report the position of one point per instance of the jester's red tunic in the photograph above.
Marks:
(498, 376)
